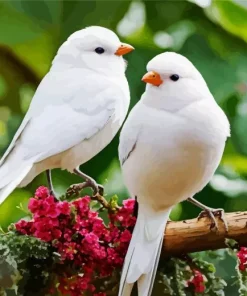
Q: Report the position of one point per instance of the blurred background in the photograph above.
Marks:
(212, 34)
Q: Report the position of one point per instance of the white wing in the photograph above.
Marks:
(129, 135)
(65, 111)
(13, 142)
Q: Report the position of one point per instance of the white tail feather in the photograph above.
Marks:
(143, 254)
(18, 176)
(146, 281)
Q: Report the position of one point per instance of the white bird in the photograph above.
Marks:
(76, 111)
(170, 146)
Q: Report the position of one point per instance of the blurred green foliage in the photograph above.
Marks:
(212, 34)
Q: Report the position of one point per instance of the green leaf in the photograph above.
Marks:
(239, 127)
(25, 262)
(12, 202)
(221, 85)
(113, 202)
(231, 16)
(231, 243)
(162, 14)
(80, 14)
(43, 12)
(242, 281)
(20, 29)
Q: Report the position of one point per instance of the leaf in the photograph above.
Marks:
(80, 14)
(239, 127)
(20, 29)
(242, 281)
(231, 16)
(14, 200)
(162, 14)
(24, 263)
(214, 286)
(201, 55)
(43, 12)
(231, 243)
(113, 202)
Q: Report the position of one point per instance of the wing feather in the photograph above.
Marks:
(65, 129)
(129, 136)
(13, 142)
(66, 109)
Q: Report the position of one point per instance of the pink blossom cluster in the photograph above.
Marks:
(242, 257)
(80, 236)
(197, 282)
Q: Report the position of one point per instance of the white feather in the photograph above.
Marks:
(144, 251)
(170, 147)
(80, 104)
(7, 189)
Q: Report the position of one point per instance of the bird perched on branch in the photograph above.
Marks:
(170, 147)
(76, 111)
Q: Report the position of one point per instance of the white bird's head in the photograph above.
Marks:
(94, 47)
(173, 82)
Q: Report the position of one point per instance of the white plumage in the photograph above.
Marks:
(170, 147)
(76, 111)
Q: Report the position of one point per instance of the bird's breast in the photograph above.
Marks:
(173, 159)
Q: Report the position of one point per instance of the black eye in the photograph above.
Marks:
(174, 77)
(99, 50)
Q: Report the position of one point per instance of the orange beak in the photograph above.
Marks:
(123, 49)
(152, 78)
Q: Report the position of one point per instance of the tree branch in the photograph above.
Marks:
(193, 236)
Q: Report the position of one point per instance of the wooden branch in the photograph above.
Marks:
(193, 236)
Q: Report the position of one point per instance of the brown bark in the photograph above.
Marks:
(193, 236)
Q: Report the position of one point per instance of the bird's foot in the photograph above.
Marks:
(75, 189)
(100, 189)
(97, 188)
(89, 182)
(212, 214)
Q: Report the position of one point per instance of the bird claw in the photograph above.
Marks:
(100, 189)
(97, 188)
(75, 189)
(212, 214)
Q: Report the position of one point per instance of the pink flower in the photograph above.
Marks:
(125, 214)
(125, 236)
(44, 207)
(129, 204)
(197, 282)
(42, 192)
(45, 223)
(113, 257)
(83, 231)
(24, 227)
(98, 226)
(91, 238)
(68, 250)
(63, 208)
(242, 257)
(56, 233)
(33, 205)
(92, 249)
(51, 207)
(82, 204)
(68, 234)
